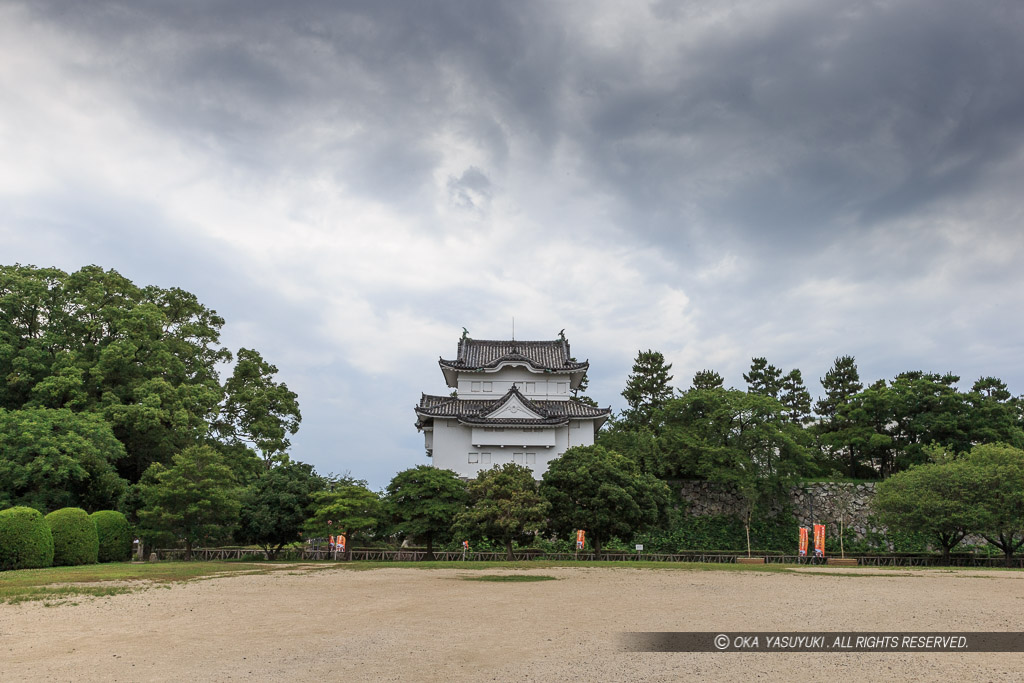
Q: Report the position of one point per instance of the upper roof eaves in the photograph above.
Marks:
(485, 354)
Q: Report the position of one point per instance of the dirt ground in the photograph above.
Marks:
(413, 625)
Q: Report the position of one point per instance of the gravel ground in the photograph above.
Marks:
(413, 625)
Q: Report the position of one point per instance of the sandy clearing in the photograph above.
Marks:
(410, 624)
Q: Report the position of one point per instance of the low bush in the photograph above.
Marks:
(114, 534)
(74, 537)
(25, 539)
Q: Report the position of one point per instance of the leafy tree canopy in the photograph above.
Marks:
(347, 508)
(195, 500)
(276, 504)
(504, 506)
(422, 502)
(54, 458)
(602, 492)
(142, 357)
(739, 440)
(936, 498)
(258, 411)
(145, 359)
(998, 471)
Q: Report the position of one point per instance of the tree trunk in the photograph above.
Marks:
(430, 548)
(188, 549)
(746, 526)
(508, 548)
(842, 551)
(597, 547)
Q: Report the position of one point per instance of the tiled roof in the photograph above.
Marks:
(473, 411)
(477, 354)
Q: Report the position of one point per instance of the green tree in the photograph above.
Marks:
(92, 341)
(927, 408)
(739, 440)
(422, 502)
(52, 459)
(862, 433)
(993, 415)
(937, 499)
(639, 445)
(258, 411)
(504, 506)
(195, 499)
(764, 379)
(348, 508)
(602, 492)
(707, 379)
(998, 471)
(276, 504)
(795, 399)
(647, 388)
(841, 383)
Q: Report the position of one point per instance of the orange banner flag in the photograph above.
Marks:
(819, 540)
(579, 539)
(803, 541)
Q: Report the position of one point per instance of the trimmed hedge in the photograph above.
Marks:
(115, 536)
(74, 537)
(25, 539)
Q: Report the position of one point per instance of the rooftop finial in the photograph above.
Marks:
(465, 333)
(561, 334)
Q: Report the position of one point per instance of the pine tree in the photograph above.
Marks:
(795, 398)
(647, 388)
(840, 383)
(763, 379)
(707, 379)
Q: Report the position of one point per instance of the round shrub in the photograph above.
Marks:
(74, 537)
(25, 539)
(115, 536)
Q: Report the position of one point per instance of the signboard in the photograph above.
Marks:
(639, 547)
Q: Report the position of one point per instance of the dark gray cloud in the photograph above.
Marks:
(812, 179)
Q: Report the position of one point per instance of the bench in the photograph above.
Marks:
(841, 561)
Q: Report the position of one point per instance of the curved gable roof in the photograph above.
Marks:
(475, 412)
(481, 354)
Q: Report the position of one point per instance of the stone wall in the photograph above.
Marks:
(826, 501)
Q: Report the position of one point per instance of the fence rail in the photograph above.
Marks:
(402, 555)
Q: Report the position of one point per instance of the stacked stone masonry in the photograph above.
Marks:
(827, 501)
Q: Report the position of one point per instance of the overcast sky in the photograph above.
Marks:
(350, 186)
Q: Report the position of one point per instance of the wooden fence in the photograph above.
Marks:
(375, 555)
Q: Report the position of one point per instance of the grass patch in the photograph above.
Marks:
(99, 580)
(510, 578)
